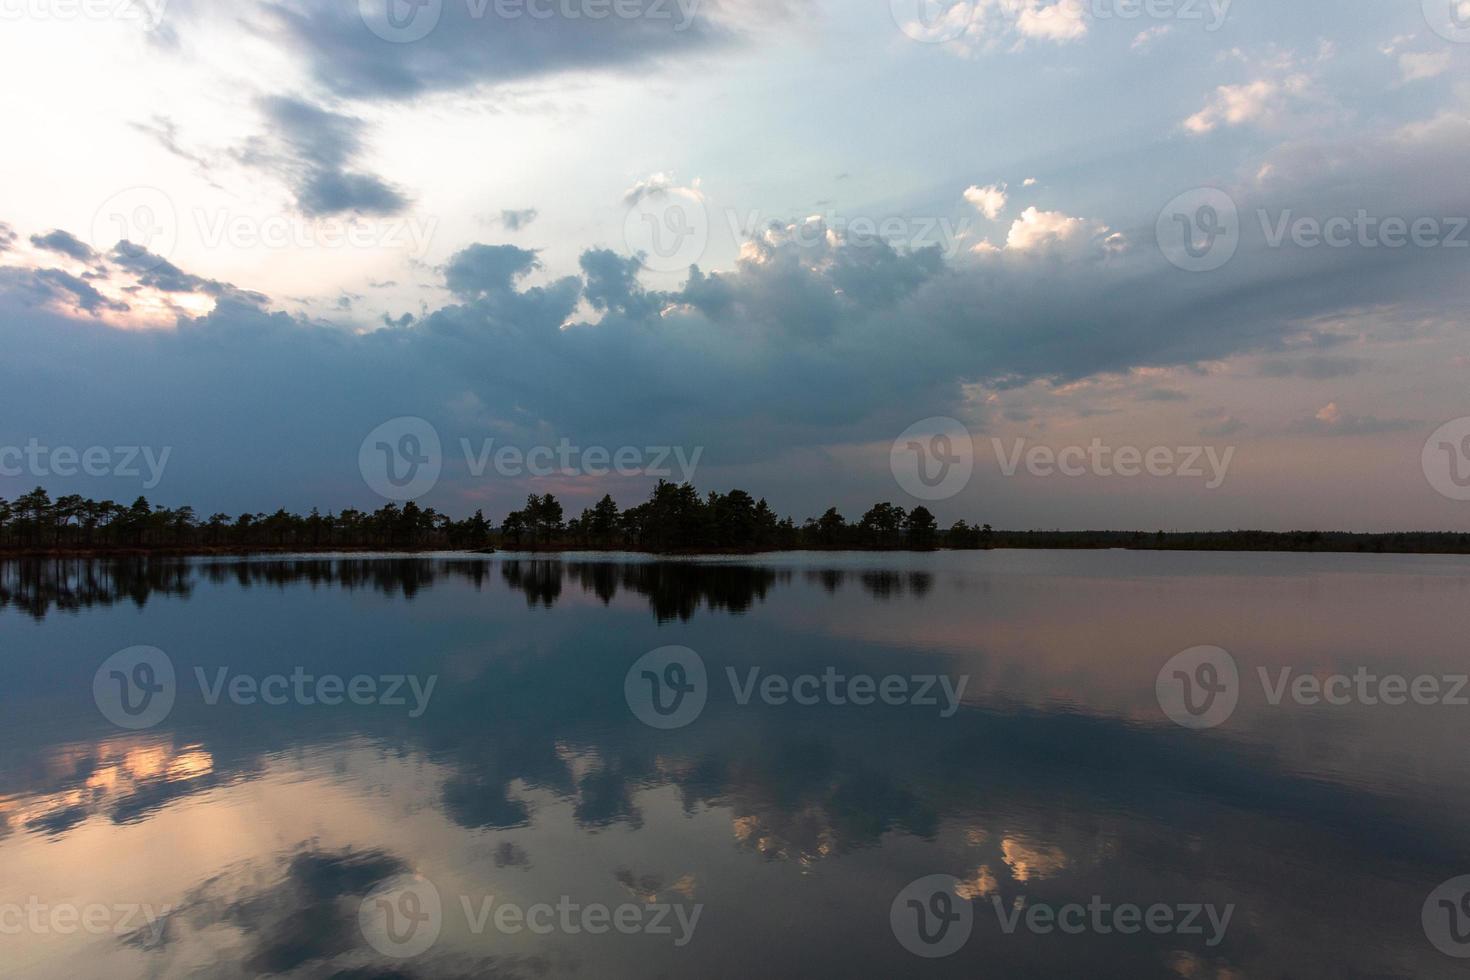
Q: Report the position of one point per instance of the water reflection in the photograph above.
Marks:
(530, 777)
(38, 587)
(675, 590)
(121, 780)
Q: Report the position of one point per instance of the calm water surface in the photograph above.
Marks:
(416, 835)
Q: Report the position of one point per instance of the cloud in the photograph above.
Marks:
(1036, 230)
(651, 186)
(458, 50)
(989, 200)
(1416, 65)
(1064, 20)
(612, 283)
(482, 270)
(328, 192)
(1420, 65)
(165, 132)
(514, 220)
(79, 293)
(313, 150)
(1145, 38)
(806, 342)
(1330, 420)
(65, 243)
(1282, 81)
(983, 25)
(1235, 105)
(797, 346)
(7, 237)
(154, 272)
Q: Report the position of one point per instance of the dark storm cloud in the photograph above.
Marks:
(314, 151)
(326, 192)
(483, 269)
(82, 294)
(155, 272)
(64, 243)
(321, 138)
(465, 44)
(772, 355)
(805, 344)
(612, 283)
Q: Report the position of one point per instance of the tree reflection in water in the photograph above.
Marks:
(676, 590)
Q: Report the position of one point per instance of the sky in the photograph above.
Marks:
(1179, 264)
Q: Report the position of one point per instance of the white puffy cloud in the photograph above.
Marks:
(650, 186)
(1234, 105)
(1279, 82)
(971, 26)
(1065, 20)
(1036, 230)
(989, 200)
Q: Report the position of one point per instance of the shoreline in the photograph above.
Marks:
(1402, 543)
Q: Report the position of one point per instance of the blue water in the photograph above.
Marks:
(491, 799)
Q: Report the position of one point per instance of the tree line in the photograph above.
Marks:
(35, 522)
(676, 518)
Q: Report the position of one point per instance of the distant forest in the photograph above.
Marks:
(676, 519)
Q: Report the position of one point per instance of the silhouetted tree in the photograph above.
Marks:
(922, 531)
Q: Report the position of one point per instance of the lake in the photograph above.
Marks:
(981, 764)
